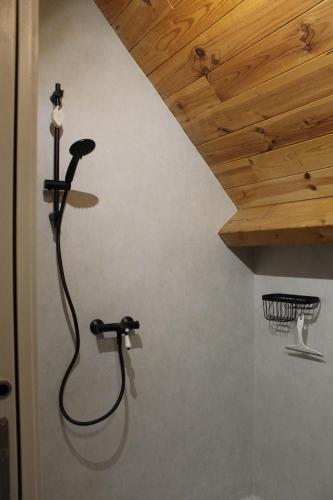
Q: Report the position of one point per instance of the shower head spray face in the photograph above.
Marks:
(77, 150)
(82, 148)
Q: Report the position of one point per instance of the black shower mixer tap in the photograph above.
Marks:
(126, 325)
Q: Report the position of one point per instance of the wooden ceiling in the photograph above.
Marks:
(251, 83)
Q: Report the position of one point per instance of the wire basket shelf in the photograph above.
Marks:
(283, 308)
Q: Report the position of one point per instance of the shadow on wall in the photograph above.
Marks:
(69, 432)
(246, 255)
(294, 261)
(77, 199)
(109, 344)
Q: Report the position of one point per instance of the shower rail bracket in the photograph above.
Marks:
(56, 185)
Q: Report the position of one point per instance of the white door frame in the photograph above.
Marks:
(26, 167)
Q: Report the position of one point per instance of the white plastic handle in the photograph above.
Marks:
(300, 325)
(301, 346)
(128, 344)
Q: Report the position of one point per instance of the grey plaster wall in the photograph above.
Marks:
(139, 238)
(293, 452)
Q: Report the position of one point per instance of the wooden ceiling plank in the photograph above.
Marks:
(252, 86)
(245, 25)
(307, 122)
(192, 101)
(112, 8)
(305, 37)
(297, 223)
(311, 235)
(301, 157)
(184, 23)
(138, 18)
(291, 90)
(303, 186)
(286, 215)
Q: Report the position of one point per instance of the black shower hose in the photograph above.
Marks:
(77, 337)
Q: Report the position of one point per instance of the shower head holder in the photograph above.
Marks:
(78, 149)
(51, 185)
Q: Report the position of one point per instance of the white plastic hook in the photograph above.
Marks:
(57, 116)
(301, 346)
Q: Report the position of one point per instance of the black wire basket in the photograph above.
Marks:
(283, 307)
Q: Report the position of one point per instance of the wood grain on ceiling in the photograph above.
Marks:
(251, 83)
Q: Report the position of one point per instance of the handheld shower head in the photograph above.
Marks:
(80, 148)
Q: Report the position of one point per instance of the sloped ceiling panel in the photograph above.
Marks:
(251, 83)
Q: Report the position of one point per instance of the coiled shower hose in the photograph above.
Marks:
(77, 336)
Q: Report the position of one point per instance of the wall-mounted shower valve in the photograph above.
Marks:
(124, 327)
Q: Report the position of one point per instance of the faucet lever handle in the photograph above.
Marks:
(128, 344)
